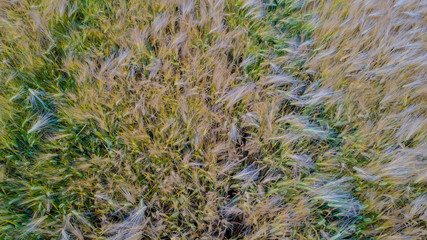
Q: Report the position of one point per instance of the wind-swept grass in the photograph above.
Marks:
(216, 119)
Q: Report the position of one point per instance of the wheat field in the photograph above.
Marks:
(213, 119)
